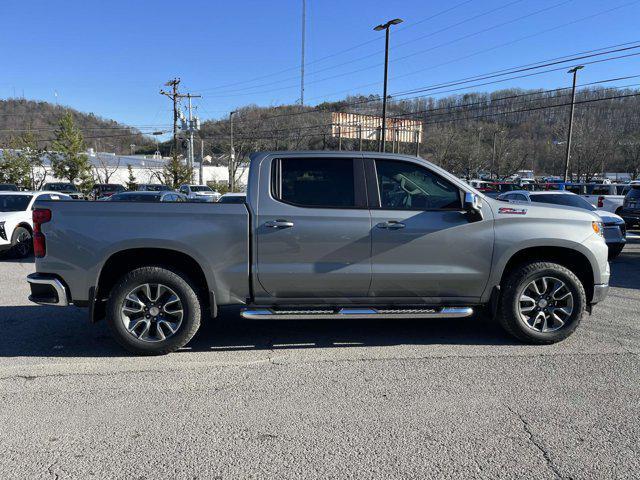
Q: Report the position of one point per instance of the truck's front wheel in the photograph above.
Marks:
(153, 311)
(541, 303)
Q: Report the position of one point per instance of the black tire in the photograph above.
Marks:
(21, 242)
(615, 250)
(509, 313)
(184, 290)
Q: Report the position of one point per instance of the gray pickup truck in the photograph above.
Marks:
(322, 235)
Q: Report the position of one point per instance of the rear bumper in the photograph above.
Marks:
(600, 292)
(47, 290)
(630, 216)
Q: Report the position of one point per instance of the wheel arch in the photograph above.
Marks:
(123, 261)
(570, 258)
(23, 225)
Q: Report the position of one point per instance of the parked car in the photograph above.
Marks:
(615, 231)
(153, 187)
(199, 193)
(66, 188)
(631, 206)
(8, 187)
(233, 198)
(16, 225)
(604, 196)
(101, 190)
(502, 187)
(162, 196)
(303, 246)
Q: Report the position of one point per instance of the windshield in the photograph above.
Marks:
(14, 203)
(111, 187)
(155, 188)
(61, 187)
(134, 197)
(233, 199)
(200, 188)
(634, 192)
(566, 200)
(8, 187)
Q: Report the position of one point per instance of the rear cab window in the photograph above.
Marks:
(318, 182)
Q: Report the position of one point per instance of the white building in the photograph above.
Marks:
(146, 169)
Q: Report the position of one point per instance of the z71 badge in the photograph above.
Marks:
(512, 211)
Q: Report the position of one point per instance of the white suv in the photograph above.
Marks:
(16, 225)
(200, 193)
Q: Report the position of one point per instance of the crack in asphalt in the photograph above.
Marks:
(51, 472)
(536, 443)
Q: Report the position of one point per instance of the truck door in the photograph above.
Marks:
(423, 243)
(313, 228)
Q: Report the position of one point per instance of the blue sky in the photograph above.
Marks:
(111, 57)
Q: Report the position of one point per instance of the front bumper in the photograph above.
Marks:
(600, 292)
(47, 290)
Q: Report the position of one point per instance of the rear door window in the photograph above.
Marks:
(601, 190)
(311, 182)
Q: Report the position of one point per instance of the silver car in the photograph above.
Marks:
(615, 231)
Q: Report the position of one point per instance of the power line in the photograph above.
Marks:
(479, 52)
(430, 111)
(541, 64)
(350, 62)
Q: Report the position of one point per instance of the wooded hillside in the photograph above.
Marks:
(41, 118)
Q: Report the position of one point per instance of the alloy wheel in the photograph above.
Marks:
(545, 304)
(23, 244)
(152, 312)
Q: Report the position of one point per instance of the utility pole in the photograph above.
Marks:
(304, 28)
(493, 158)
(192, 125)
(574, 70)
(191, 129)
(174, 98)
(385, 27)
(232, 155)
(201, 161)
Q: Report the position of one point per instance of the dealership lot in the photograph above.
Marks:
(321, 399)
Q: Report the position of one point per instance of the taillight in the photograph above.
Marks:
(600, 202)
(40, 216)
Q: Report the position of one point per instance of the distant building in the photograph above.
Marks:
(146, 168)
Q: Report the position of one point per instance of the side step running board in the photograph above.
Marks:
(273, 314)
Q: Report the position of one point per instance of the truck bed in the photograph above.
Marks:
(82, 236)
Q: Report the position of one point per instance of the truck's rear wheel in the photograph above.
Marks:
(153, 311)
(541, 303)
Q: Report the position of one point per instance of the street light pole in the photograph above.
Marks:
(574, 70)
(493, 158)
(232, 155)
(385, 27)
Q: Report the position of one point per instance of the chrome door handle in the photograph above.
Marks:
(279, 224)
(391, 225)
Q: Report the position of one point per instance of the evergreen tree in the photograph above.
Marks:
(14, 168)
(131, 181)
(176, 173)
(69, 160)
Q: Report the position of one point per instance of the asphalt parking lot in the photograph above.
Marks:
(363, 399)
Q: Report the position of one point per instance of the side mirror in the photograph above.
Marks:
(472, 202)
